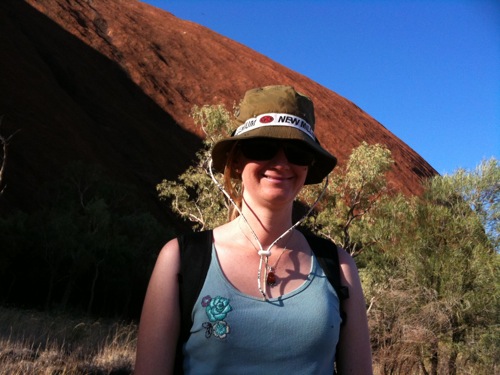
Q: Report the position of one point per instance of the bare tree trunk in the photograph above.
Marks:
(452, 363)
(422, 366)
(434, 358)
(68, 291)
(92, 289)
(456, 338)
(4, 142)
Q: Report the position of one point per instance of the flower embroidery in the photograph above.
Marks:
(205, 301)
(220, 329)
(217, 309)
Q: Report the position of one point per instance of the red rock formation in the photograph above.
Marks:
(113, 82)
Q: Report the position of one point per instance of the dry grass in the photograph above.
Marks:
(38, 343)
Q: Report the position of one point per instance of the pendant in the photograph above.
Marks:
(271, 278)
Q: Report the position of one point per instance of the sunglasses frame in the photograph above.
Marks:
(296, 152)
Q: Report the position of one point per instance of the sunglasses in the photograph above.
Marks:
(261, 149)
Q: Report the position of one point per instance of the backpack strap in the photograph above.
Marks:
(196, 255)
(328, 257)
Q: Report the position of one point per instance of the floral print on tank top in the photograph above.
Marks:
(217, 309)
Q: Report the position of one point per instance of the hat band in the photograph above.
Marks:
(276, 119)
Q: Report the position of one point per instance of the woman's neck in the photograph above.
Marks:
(266, 224)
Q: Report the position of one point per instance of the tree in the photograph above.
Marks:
(353, 191)
(480, 191)
(432, 272)
(90, 245)
(193, 196)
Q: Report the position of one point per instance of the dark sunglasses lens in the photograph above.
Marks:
(264, 149)
(259, 150)
(298, 155)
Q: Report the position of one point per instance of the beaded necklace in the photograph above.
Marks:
(271, 270)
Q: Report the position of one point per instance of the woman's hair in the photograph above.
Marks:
(232, 183)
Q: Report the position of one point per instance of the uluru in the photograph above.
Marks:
(113, 83)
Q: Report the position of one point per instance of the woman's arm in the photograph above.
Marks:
(354, 350)
(160, 319)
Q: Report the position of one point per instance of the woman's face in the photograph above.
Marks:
(272, 171)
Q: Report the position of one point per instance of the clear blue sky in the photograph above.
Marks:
(428, 70)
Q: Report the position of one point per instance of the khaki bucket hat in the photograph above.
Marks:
(277, 112)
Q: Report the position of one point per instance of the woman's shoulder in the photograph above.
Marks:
(345, 258)
(170, 246)
(169, 255)
(349, 274)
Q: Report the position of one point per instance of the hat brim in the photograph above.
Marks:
(324, 162)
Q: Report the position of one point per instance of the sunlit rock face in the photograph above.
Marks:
(113, 82)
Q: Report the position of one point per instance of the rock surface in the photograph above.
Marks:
(113, 82)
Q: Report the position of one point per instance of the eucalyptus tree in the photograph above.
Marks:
(193, 196)
(354, 190)
(433, 276)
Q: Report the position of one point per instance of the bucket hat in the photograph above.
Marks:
(277, 112)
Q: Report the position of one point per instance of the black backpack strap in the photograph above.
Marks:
(196, 255)
(328, 257)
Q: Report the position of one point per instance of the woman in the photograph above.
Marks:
(266, 306)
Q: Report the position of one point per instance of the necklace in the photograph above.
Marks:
(271, 270)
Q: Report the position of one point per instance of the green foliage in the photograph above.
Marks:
(432, 256)
(480, 191)
(194, 197)
(353, 191)
(214, 120)
(364, 176)
(89, 246)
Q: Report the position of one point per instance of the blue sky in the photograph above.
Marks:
(428, 70)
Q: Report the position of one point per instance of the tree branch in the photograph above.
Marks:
(4, 142)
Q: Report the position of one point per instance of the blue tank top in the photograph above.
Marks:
(234, 333)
